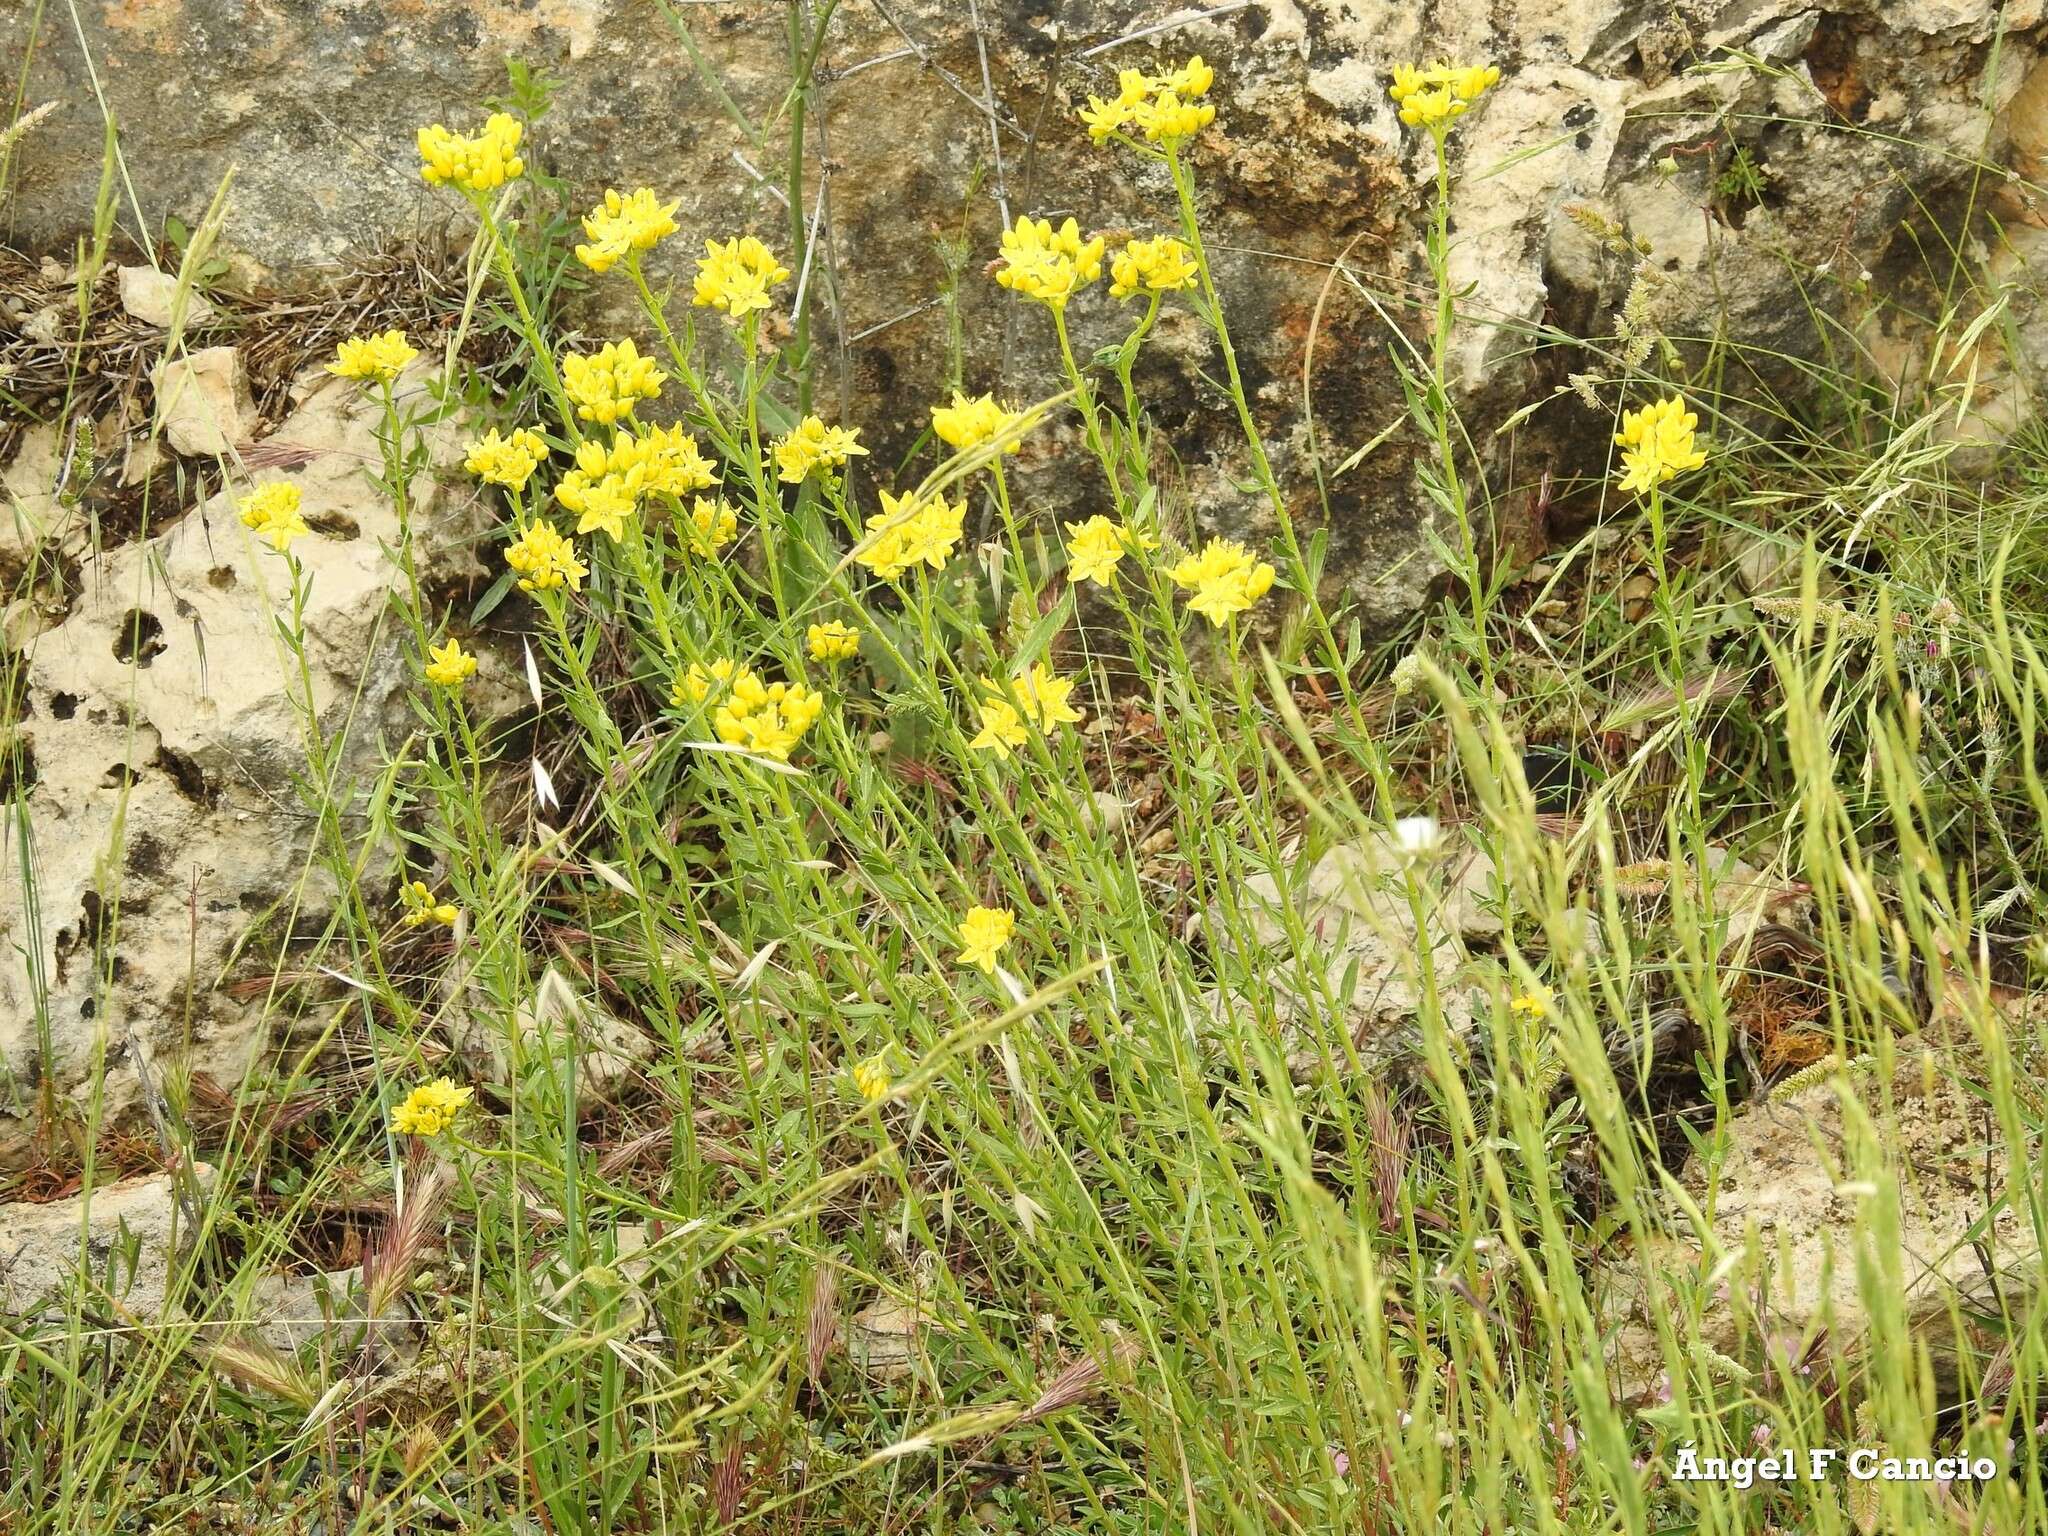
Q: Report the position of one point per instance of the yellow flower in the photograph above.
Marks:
(1431, 95)
(480, 164)
(622, 225)
(545, 559)
(712, 525)
(271, 512)
(1002, 729)
(1044, 694)
(737, 275)
(969, 423)
(507, 461)
(907, 532)
(983, 933)
(1047, 264)
(871, 1077)
(766, 718)
(1534, 1005)
(1041, 703)
(832, 641)
(1657, 444)
(810, 444)
(430, 1108)
(449, 666)
(601, 500)
(376, 359)
(1157, 266)
(607, 384)
(1094, 547)
(698, 683)
(1164, 109)
(421, 908)
(666, 461)
(1226, 579)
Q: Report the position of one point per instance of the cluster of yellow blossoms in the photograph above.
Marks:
(449, 666)
(1226, 579)
(811, 445)
(481, 164)
(983, 933)
(871, 1078)
(908, 532)
(1156, 266)
(271, 512)
(711, 525)
(768, 718)
(430, 1108)
(545, 559)
(1047, 264)
(1657, 444)
(377, 359)
(608, 483)
(832, 641)
(735, 277)
(622, 226)
(1040, 704)
(1163, 109)
(611, 382)
(969, 423)
(421, 908)
(1095, 545)
(508, 461)
(1430, 95)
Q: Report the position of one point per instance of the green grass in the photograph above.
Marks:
(1106, 1256)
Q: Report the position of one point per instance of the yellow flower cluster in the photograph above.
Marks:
(871, 1078)
(737, 275)
(1048, 264)
(810, 444)
(1657, 444)
(712, 525)
(1430, 95)
(908, 532)
(1095, 545)
(1157, 266)
(832, 641)
(1226, 579)
(1532, 1005)
(608, 483)
(1041, 704)
(430, 1108)
(621, 226)
(480, 164)
(545, 559)
(768, 718)
(970, 423)
(507, 461)
(1163, 109)
(983, 933)
(449, 666)
(421, 908)
(697, 684)
(374, 359)
(271, 512)
(609, 383)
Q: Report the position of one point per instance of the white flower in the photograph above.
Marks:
(1415, 836)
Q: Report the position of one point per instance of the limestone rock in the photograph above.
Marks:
(295, 1311)
(202, 401)
(40, 1247)
(1858, 114)
(148, 293)
(555, 1020)
(164, 834)
(1791, 1209)
(1361, 952)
